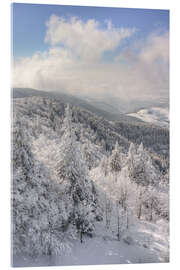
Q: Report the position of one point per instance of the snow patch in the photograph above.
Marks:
(156, 115)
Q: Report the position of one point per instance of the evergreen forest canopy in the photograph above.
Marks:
(74, 171)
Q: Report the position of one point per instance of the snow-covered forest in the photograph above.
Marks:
(86, 190)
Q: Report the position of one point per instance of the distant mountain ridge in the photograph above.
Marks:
(75, 101)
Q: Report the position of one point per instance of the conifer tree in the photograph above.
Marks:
(115, 160)
(131, 156)
(104, 165)
(73, 174)
(37, 214)
(141, 169)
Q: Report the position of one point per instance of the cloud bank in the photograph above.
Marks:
(85, 40)
(75, 62)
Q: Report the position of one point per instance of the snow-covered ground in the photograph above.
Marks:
(155, 115)
(148, 244)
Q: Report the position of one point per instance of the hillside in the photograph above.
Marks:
(156, 115)
(157, 137)
(81, 180)
(100, 108)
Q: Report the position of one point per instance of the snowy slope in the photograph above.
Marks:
(155, 115)
(39, 121)
(149, 245)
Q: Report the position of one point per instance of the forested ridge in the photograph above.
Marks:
(75, 172)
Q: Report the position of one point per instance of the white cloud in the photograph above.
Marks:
(156, 48)
(150, 61)
(87, 40)
(137, 73)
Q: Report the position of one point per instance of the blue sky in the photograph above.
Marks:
(29, 22)
(111, 53)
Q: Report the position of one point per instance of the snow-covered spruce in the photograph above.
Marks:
(38, 209)
(73, 175)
